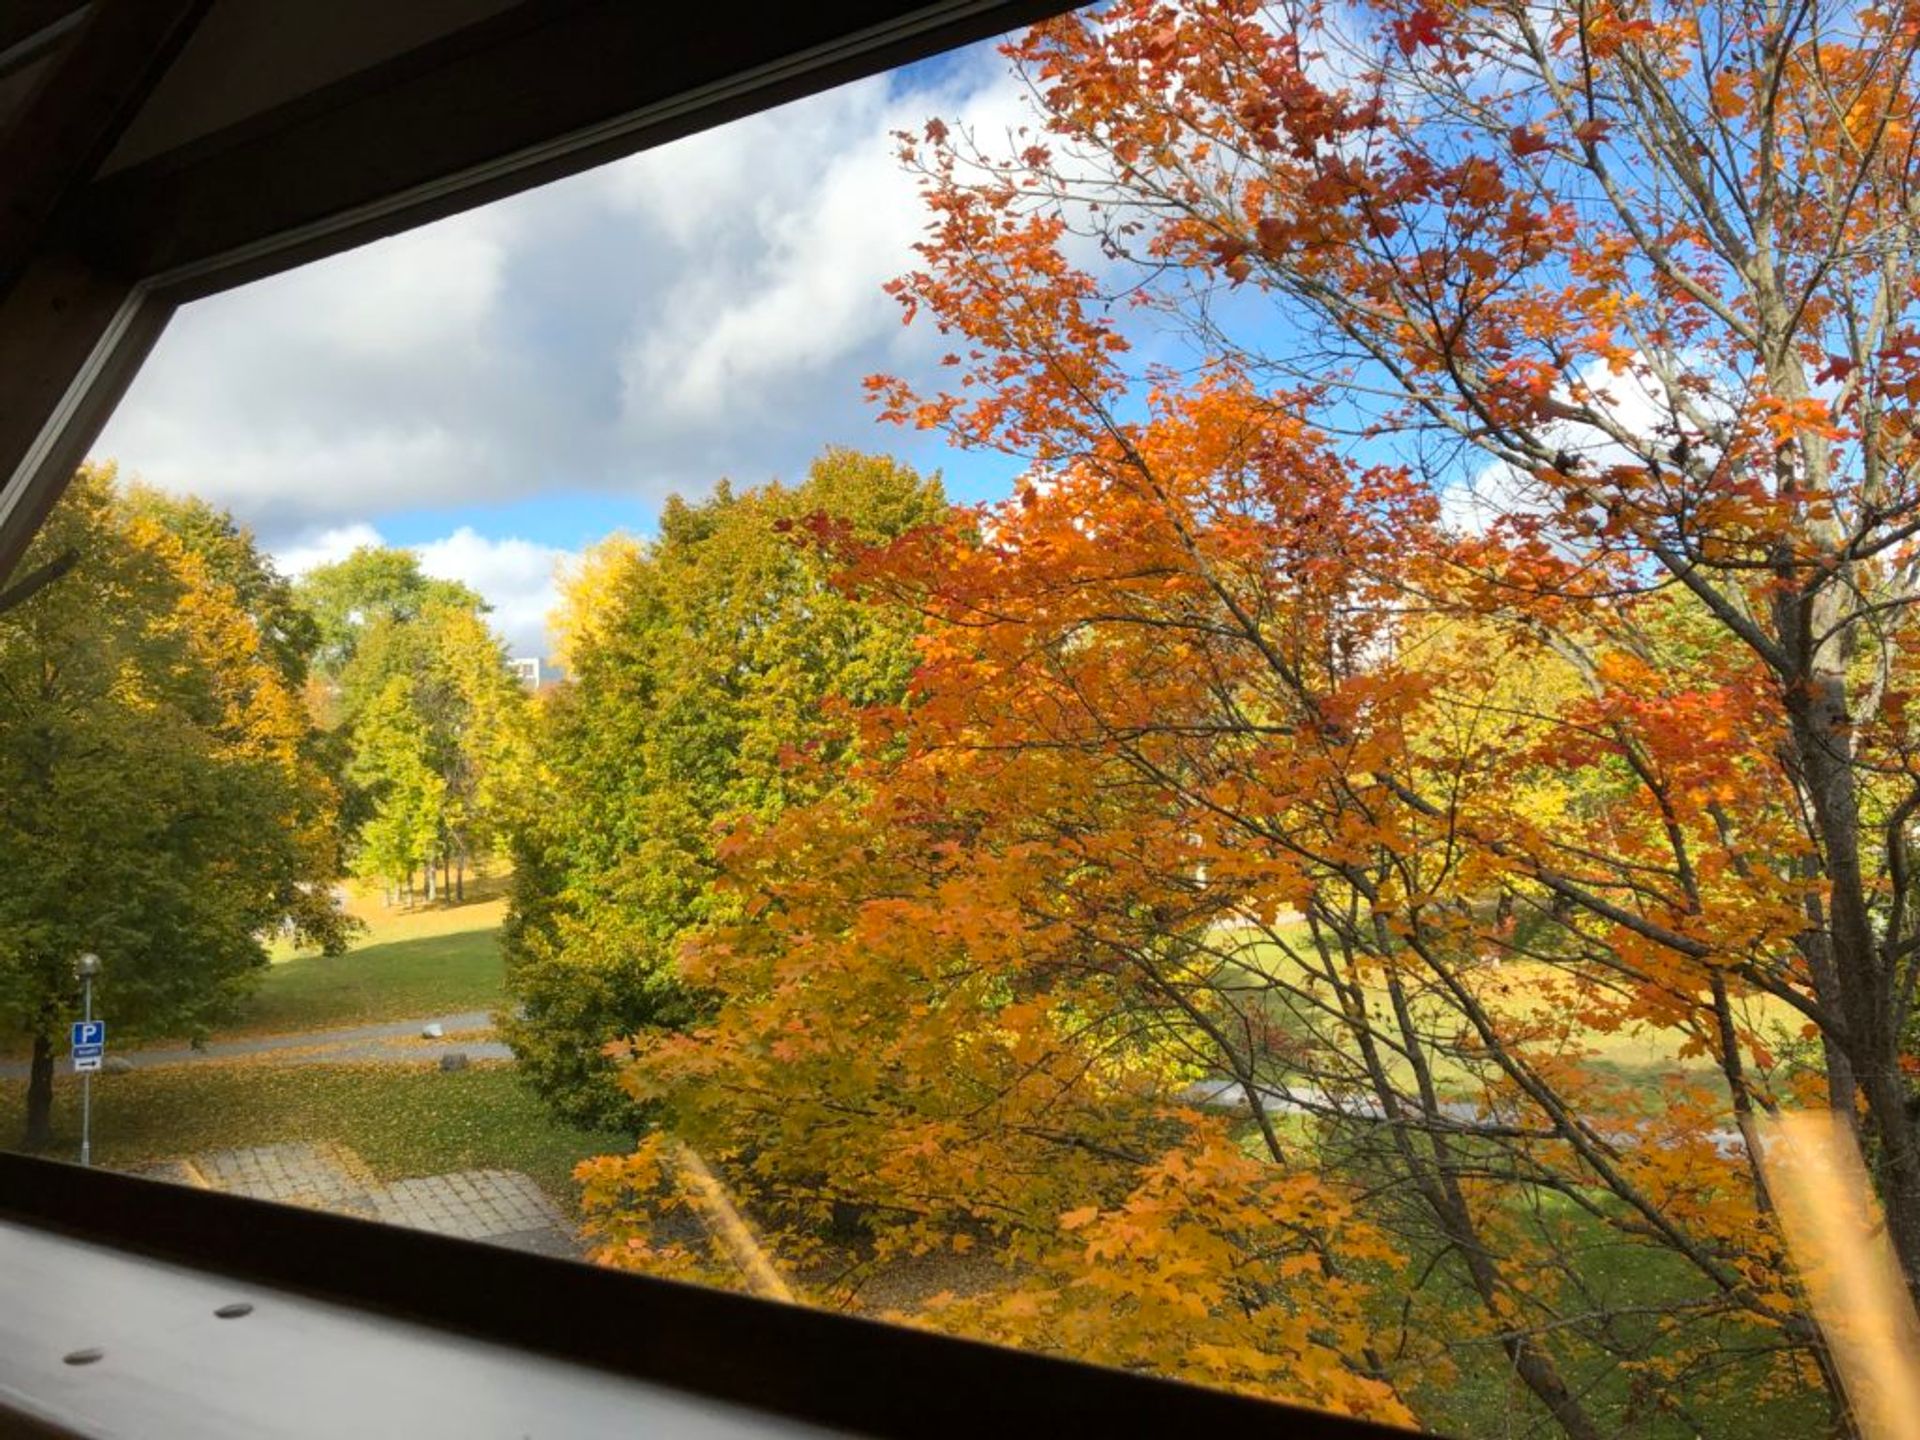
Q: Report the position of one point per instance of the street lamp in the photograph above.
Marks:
(86, 967)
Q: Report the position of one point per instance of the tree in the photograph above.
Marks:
(700, 666)
(393, 759)
(233, 558)
(457, 710)
(372, 584)
(438, 678)
(1581, 339)
(158, 800)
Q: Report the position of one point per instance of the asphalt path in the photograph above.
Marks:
(390, 1042)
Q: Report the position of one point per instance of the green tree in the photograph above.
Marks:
(698, 665)
(439, 677)
(393, 760)
(374, 583)
(159, 803)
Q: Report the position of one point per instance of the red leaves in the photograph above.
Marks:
(1422, 27)
(1525, 140)
(1837, 368)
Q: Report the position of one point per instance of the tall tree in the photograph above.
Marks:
(159, 804)
(233, 558)
(431, 695)
(700, 666)
(394, 760)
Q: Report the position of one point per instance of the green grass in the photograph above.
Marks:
(1635, 1055)
(403, 1120)
(1486, 1398)
(397, 980)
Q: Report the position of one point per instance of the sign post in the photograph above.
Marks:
(89, 1046)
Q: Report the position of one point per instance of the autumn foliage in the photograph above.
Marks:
(1457, 612)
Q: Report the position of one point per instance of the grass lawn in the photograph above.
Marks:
(433, 960)
(399, 979)
(403, 1120)
(1636, 1054)
(405, 965)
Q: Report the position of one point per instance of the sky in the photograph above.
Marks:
(504, 387)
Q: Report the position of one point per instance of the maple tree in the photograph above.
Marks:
(1486, 626)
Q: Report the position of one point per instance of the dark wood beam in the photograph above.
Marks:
(101, 77)
(24, 20)
(542, 91)
(71, 340)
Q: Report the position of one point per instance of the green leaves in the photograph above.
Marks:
(711, 676)
(435, 723)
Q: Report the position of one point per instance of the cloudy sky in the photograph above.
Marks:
(506, 386)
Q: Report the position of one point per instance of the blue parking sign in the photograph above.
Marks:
(89, 1034)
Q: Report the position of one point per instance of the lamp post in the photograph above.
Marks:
(86, 967)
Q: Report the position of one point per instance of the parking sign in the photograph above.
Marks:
(89, 1045)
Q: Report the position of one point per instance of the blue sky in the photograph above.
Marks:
(502, 388)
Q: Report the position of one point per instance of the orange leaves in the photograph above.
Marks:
(1731, 95)
(1081, 1218)
(1225, 756)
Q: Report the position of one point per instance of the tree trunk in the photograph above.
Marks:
(460, 881)
(39, 1132)
(1824, 753)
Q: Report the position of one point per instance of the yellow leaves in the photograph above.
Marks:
(1079, 1219)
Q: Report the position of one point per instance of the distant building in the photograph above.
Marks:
(527, 667)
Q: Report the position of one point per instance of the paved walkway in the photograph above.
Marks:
(502, 1207)
(393, 1041)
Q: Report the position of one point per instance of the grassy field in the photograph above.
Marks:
(392, 979)
(431, 960)
(1635, 1055)
(404, 1120)
(405, 964)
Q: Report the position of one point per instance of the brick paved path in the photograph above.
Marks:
(503, 1207)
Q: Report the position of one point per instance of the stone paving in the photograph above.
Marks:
(502, 1207)
(322, 1175)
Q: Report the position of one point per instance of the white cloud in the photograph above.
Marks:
(1629, 402)
(518, 578)
(798, 227)
(325, 548)
(702, 310)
